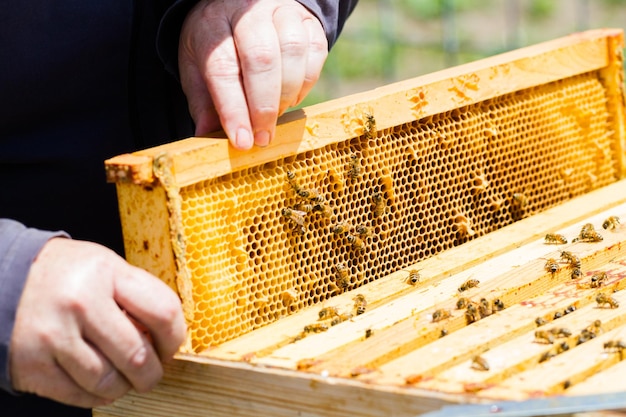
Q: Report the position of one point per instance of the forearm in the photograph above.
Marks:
(19, 246)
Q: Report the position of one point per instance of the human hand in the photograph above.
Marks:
(89, 326)
(242, 63)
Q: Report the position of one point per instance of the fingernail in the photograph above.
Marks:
(244, 139)
(262, 138)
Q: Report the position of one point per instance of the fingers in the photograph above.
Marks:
(293, 39)
(250, 76)
(159, 310)
(130, 358)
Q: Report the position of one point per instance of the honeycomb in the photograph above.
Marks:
(266, 241)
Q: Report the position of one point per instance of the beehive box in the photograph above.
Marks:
(325, 274)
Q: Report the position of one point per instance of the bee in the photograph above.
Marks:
(340, 318)
(555, 239)
(368, 333)
(498, 305)
(295, 216)
(470, 283)
(355, 167)
(571, 259)
(594, 328)
(380, 207)
(576, 273)
(544, 336)
(443, 333)
(471, 314)
(291, 179)
(569, 309)
(562, 347)
(598, 279)
(611, 223)
(520, 200)
(484, 308)
(604, 299)
(547, 356)
(617, 345)
(363, 231)
(560, 332)
(322, 209)
(414, 277)
(311, 194)
(342, 278)
(588, 234)
(356, 242)
(480, 363)
(552, 266)
(462, 303)
(328, 312)
(341, 228)
(369, 129)
(540, 321)
(359, 304)
(557, 315)
(441, 314)
(315, 328)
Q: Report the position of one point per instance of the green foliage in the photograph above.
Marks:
(540, 9)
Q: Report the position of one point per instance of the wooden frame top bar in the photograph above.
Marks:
(195, 159)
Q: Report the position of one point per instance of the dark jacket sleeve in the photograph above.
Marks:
(18, 248)
(331, 13)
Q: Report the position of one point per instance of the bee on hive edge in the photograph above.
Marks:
(604, 299)
(484, 308)
(480, 363)
(441, 314)
(588, 234)
(462, 303)
(414, 277)
(360, 303)
(555, 239)
(547, 356)
(617, 345)
(315, 328)
(571, 259)
(611, 223)
(498, 305)
(560, 332)
(380, 207)
(355, 167)
(576, 273)
(340, 318)
(544, 336)
(470, 283)
(328, 312)
(598, 279)
(471, 314)
(552, 266)
(369, 129)
(562, 347)
(540, 321)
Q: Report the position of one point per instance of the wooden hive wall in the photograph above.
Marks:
(440, 179)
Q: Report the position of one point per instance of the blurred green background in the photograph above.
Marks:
(392, 40)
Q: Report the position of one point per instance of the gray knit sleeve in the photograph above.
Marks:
(19, 246)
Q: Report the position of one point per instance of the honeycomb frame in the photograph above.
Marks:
(456, 155)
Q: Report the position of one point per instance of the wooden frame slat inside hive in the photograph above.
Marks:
(342, 363)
